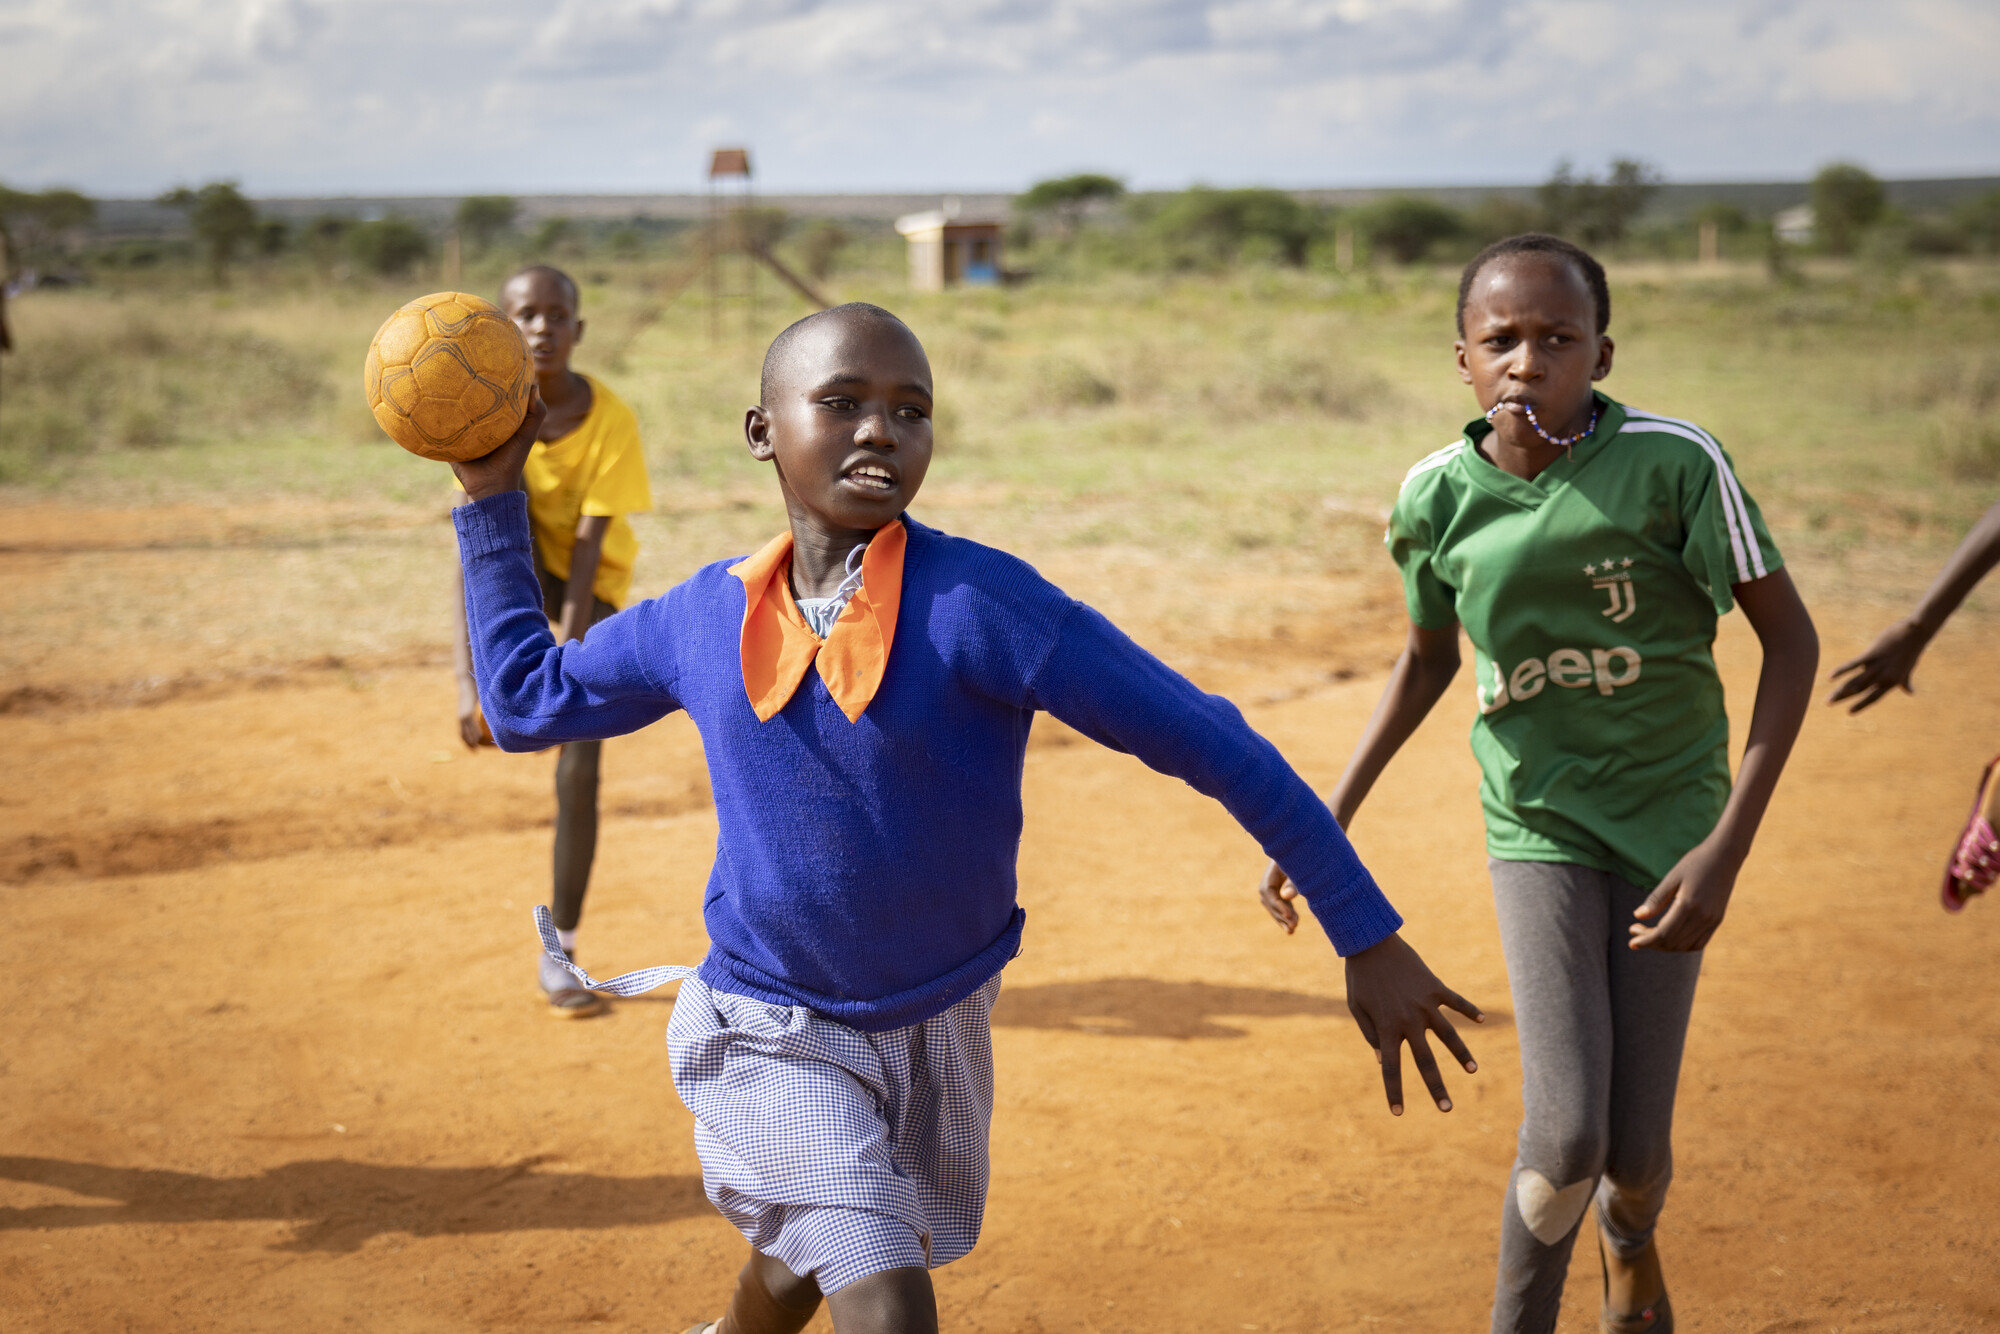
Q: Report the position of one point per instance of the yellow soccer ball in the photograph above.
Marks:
(448, 376)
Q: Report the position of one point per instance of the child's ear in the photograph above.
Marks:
(579, 332)
(757, 435)
(1604, 350)
(1464, 371)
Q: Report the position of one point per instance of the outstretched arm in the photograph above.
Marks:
(1887, 663)
(1426, 667)
(1113, 691)
(535, 691)
(1686, 908)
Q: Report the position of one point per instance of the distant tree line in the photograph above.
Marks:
(1090, 217)
(1068, 223)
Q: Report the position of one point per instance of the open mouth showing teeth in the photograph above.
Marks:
(875, 479)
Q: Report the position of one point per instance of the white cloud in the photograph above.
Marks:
(278, 29)
(125, 96)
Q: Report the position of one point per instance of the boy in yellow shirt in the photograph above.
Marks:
(585, 473)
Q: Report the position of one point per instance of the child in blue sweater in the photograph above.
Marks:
(864, 686)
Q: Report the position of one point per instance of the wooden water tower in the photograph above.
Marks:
(730, 197)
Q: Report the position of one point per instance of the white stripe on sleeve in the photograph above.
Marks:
(1435, 459)
(1743, 543)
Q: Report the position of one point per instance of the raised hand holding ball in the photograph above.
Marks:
(448, 376)
(500, 470)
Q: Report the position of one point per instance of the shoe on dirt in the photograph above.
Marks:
(567, 998)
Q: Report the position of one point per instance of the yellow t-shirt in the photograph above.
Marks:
(597, 469)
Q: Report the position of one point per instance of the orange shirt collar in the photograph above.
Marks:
(778, 646)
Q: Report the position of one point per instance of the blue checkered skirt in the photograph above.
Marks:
(840, 1153)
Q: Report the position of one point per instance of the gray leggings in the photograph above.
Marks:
(1601, 1028)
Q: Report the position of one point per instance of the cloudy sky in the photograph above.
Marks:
(127, 97)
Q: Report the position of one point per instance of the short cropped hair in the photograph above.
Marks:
(1540, 243)
(781, 346)
(548, 271)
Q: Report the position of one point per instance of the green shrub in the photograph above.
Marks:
(1846, 200)
(482, 218)
(1405, 227)
(1207, 227)
(387, 247)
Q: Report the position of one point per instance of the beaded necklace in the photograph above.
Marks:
(1567, 442)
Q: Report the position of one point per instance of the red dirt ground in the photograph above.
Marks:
(274, 1059)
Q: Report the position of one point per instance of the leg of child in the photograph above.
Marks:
(1556, 929)
(857, 1159)
(576, 792)
(769, 1299)
(576, 829)
(896, 1301)
(1652, 993)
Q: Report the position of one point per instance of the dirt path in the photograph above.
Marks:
(275, 1060)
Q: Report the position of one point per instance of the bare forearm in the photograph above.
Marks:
(1784, 692)
(1418, 681)
(1972, 561)
(579, 594)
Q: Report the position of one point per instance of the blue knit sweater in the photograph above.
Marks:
(866, 870)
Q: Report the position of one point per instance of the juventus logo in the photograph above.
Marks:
(1615, 575)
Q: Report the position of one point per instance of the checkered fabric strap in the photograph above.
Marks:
(625, 984)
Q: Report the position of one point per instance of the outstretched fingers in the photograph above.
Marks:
(1427, 1067)
(1391, 1057)
(1453, 1042)
(1452, 1000)
(1366, 1023)
(1390, 1053)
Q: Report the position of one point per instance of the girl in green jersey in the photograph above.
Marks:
(1587, 550)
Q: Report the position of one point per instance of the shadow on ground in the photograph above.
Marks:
(1144, 1007)
(338, 1205)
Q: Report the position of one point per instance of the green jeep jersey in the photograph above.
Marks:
(1590, 595)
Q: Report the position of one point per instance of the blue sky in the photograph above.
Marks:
(119, 97)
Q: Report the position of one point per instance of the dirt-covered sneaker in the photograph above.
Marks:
(568, 999)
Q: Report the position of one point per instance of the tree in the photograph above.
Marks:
(325, 237)
(481, 218)
(389, 246)
(222, 220)
(553, 232)
(1623, 197)
(1847, 200)
(33, 222)
(1979, 219)
(1407, 226)
(1497, 216)
(272, 236)
(1558, 196)
(1216, 226)
(1594, 211)
(1068, 198)
(62, 210)
(1727, 218)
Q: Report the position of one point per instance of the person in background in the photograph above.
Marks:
(586, 472)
